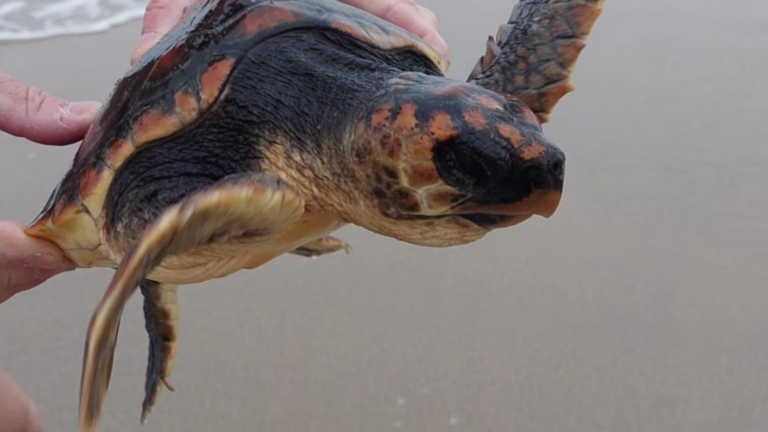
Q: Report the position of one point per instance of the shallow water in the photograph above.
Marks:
(37, 19)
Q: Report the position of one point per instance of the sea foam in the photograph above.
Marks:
(37, 19)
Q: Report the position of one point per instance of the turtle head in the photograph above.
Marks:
(445, 162)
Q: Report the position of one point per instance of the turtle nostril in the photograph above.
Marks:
(557, 168)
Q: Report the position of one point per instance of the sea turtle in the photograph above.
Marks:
(256, 128)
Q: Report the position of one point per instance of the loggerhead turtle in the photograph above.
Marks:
(256, 128)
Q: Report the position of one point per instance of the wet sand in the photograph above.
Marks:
(640, 306)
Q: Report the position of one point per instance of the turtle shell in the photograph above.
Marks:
(172, 86)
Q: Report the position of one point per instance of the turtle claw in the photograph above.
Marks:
(322, 246)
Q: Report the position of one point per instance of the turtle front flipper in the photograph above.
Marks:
(248, 207)
(322, 246)
(161, 321)
(533, 55)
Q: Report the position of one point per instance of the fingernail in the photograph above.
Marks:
(86, 109)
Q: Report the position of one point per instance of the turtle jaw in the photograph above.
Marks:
(491, 222)
(541, 203)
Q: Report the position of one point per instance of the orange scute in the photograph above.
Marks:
(152, 125)
(264, 17)
(353, 30)
(186, 106)
(94, 191)
(118, 152)
(212, 81)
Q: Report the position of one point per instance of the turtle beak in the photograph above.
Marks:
(540, 203)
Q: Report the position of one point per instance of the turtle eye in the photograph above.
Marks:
(463, 166)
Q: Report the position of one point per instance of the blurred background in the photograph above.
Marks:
(640, 306)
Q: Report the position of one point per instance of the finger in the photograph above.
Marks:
(25, 261)
(17, 414)
(407, 14)
(30, 113)
(160, 17)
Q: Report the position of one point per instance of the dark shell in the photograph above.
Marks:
(177, 82)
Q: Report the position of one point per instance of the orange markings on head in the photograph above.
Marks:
(488, 102)
(441, 126)
(264, 17)
(475, 119)
(406, 117)
(152, 125)
(380, 117)
(212, 81)
(532, 151)
(510, 133)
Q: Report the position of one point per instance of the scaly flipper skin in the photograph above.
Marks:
(322, 246)
(533, 55)
(161, 317)
(254, 206)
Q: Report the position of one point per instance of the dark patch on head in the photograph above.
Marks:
(405, 200)
(389, 172)
(379, 193)
(391, 145)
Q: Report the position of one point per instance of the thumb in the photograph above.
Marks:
(25, 261)
(30, 113)
(17, 414)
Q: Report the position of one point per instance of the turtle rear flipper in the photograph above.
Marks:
(161, 321)
(533, 55)
(250, 206)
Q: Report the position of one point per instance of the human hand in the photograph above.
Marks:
(162, 15)
(30, 113)
(17, 414)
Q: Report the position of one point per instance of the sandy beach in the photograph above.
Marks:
(641, 306)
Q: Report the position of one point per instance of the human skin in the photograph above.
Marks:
(30, 113)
